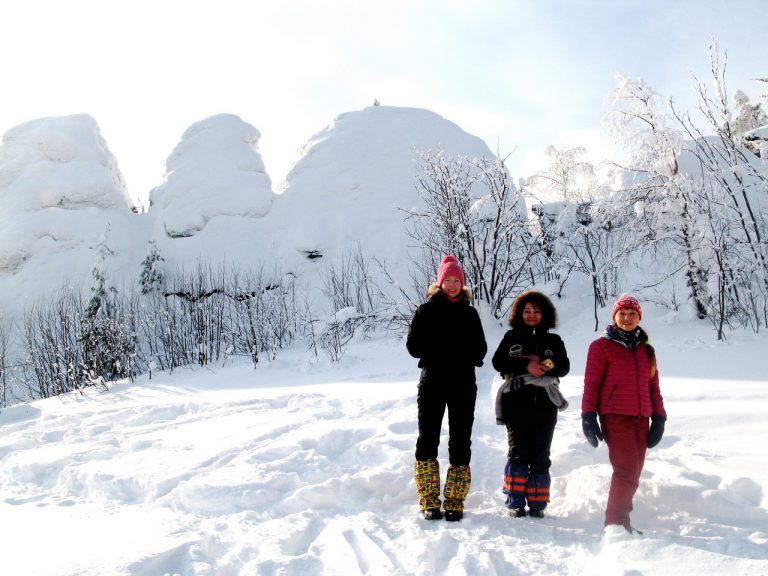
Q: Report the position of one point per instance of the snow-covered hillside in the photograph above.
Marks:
(60, 189)
(305, 467)
(354, 180)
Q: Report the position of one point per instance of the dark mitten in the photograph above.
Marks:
(591, 428)
(656, 431)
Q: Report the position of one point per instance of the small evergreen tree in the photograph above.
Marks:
(152, 278)
(107, 333)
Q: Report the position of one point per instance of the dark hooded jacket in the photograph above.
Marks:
(522, 341)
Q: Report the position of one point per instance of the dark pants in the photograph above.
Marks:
(530, 427)
(530, 419)
(627, 440)
(434, 396)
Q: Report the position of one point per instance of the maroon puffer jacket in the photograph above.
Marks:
(618, 380)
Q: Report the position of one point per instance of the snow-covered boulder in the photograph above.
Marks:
(59, 162)
(216, 170)
(60, 189)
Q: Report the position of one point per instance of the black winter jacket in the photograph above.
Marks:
(522, 341)
(447, 337)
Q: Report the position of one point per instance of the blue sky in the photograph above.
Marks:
(519, 74)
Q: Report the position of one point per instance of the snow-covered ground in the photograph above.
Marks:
(305, 467)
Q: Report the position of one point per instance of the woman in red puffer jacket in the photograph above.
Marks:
(621, 385)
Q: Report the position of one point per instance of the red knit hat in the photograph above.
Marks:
(627, 301)
(449, 267)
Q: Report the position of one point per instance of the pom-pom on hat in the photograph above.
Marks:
(627, 301)
(449, 267)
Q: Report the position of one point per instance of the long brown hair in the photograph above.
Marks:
(651, 359)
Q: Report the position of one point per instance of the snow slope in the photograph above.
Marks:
(353, 181)
(305, 467)
(216, 204)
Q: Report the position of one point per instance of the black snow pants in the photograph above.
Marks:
(457, 393)
(530, 428)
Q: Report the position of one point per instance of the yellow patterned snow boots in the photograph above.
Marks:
(427, 474)
(457, 483)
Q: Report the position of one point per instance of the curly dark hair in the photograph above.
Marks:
(548, 312)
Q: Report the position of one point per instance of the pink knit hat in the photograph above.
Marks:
(449, 267)
(627, 301)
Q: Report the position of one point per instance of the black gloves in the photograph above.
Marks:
(593, 433)
(656, 431)
(592, 429)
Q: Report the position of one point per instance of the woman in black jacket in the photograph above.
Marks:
(447, 337)
(530, 359)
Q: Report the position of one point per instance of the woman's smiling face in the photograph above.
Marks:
(452, 286)
(531, 314)
(626, 319)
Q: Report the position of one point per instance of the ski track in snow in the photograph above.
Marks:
(247, 477)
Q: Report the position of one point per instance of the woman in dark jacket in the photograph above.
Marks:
(530, 358)
(447, 337)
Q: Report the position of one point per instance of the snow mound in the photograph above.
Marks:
(356, 176)
(60, 190)
(59, 162)
(216, 170)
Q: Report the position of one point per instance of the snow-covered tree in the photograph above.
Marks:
(747, 118)
(735, 187)
(152, 277)
(638, 121)
(566, 230)
(568, 178)
(64, 349)
(699, 195)
(99, 275)
(4, 376)
(473, 210)
(107, 326)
